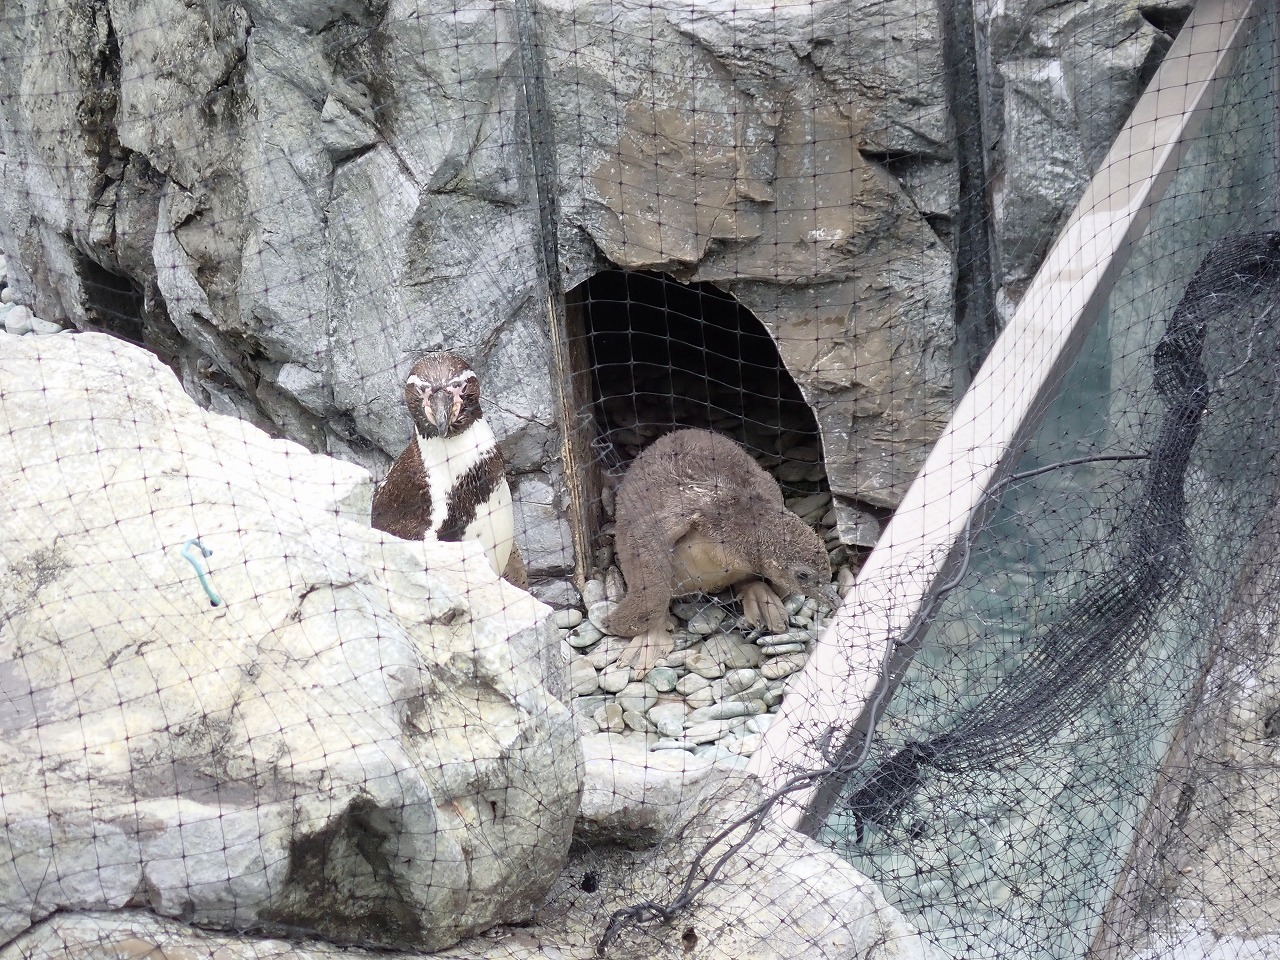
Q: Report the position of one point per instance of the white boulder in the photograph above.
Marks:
(354, 741)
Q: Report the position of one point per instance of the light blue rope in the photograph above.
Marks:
(214, 599)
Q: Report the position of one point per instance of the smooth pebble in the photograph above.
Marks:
(707, 730)
(597, 612)
(663, 679)
(683, 639)
(17, 320)
(705, 621)
(637, 721)
(637, 696)
(676, 658)
(582, 678)
(754, 692)
(607, 652)
(610, 718)
(731, 651)
(725, 710)
(783, 666)
(584, 635)
(704, 666)
(744, 745)
(773, 639)
(593, 591)
(691, 683)
(735, 680)
(589, 704)
(615, 588)
(566, 619)
(671, 743)
(615, 680)
(775, 649)
(700, 698)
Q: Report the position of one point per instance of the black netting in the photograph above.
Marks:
(667, 479)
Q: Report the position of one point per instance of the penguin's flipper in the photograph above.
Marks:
(402, 502)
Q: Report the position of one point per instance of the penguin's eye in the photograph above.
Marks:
(803, 575)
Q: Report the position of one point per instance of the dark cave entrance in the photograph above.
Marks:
(652, 354)
(114, 303)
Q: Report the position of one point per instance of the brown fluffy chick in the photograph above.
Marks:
(696, 513)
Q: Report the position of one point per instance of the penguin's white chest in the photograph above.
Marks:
(453, 466)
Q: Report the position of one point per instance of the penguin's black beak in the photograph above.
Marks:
(442, 411)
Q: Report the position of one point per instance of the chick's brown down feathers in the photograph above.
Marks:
(696, 513)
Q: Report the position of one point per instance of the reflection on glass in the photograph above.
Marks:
(1017, 856)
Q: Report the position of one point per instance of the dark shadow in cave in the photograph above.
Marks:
(113, 303)
(655, 354)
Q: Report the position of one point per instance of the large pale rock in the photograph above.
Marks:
(353, 742)
(779, 896)
(632, 796)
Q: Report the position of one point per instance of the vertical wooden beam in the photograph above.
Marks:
(574, 450)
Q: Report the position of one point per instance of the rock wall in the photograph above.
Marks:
(1058, 82)
(288, 200)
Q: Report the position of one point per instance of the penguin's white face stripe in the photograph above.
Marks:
(460, 380)
(466, 376)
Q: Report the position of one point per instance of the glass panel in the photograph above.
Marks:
(1009, 843)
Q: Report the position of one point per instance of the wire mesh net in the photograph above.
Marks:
(676, 479)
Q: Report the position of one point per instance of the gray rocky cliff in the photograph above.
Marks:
(287, 201)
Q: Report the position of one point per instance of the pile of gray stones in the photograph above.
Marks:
(717, 691)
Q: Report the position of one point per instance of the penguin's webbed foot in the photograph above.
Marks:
(646, 649)
(762, 607)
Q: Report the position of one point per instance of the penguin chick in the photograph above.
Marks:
(696, 513)
(450, 481)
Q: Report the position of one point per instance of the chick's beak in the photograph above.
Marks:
(442, 411)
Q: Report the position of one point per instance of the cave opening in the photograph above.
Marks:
(114, 303)
(652, 354)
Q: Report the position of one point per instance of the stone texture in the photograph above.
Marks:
(1061, 81)
(541, 529)
(633, 797)
(334, 747)
(772, 196)
(782, 896)
(257, 210)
